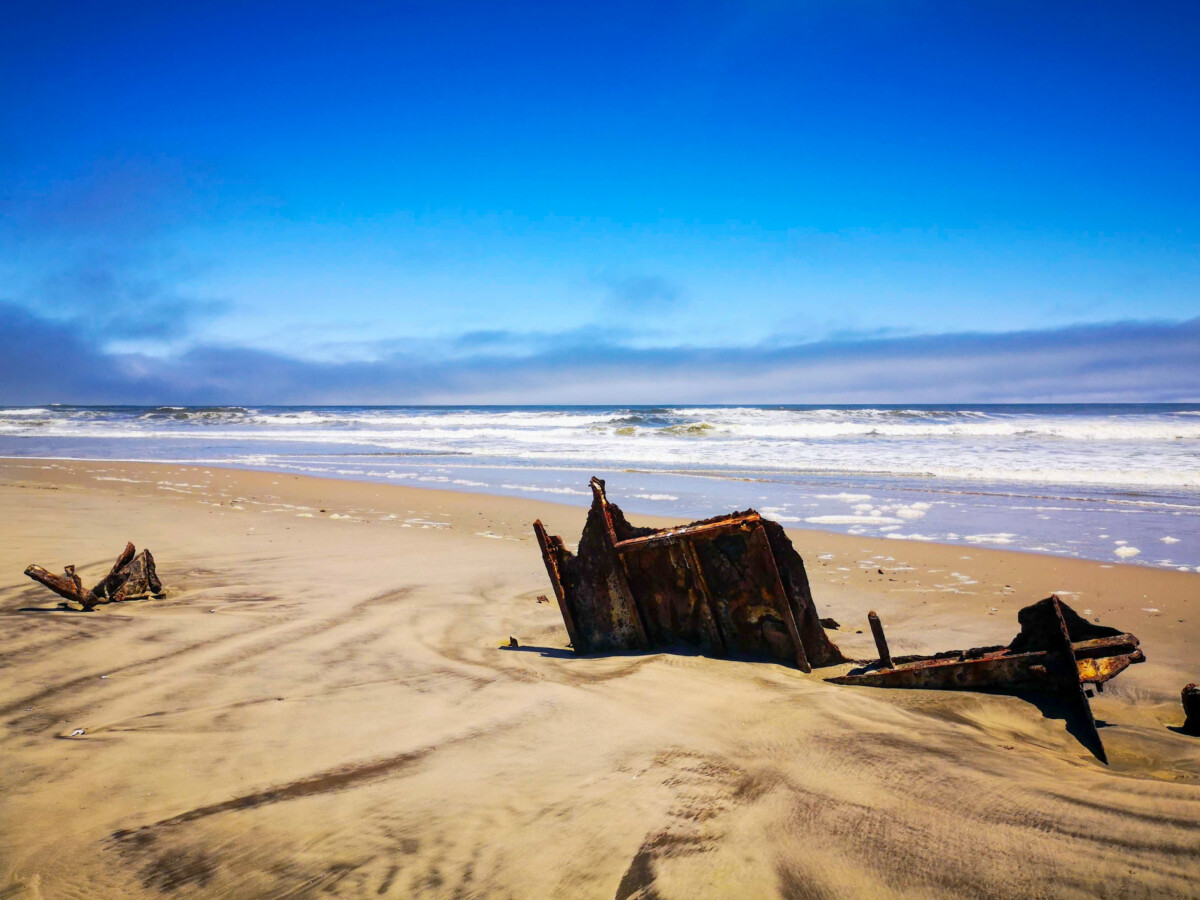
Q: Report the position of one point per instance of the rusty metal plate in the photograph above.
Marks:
(752, 611)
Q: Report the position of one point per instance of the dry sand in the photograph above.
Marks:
(320, 707)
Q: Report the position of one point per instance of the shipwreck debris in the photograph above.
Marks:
(731, 585)
(1191, 710)
(1056, 652)
(885, 656)
(132, 575)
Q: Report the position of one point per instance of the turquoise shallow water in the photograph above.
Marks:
(1119, 483)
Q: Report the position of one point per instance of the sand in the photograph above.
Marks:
(321, 707)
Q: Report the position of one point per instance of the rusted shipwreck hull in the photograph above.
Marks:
(1057, 652)
(732, 585)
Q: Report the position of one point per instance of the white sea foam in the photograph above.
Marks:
(781, 516)
(534, 489)
(1126, 552)
(851, 520)
(1002, 537)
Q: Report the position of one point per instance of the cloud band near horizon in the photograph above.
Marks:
(52, 361)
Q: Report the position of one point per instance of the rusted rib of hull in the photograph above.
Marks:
(1056, 652)
(729, 585)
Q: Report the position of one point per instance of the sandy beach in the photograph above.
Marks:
(322, 706)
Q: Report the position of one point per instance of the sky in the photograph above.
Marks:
(785, 202)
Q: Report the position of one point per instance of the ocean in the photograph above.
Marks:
(1119, 483)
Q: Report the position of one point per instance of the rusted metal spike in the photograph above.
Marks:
(1073, 692)
(885, 657)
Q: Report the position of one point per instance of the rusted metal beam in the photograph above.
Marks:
(789, 620)
(885, 657)
(551, 552)
(66, 585)
(670, 535)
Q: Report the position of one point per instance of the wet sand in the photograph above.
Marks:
(321, 707)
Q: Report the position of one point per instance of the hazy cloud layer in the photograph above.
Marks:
(118, 302)
(100, 241)
(45, 361)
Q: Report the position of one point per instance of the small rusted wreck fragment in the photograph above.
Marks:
(732, 585)
(132, 575)
(1057, 651)
(1191, 710)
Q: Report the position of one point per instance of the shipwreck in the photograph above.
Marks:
(735, 586)
(729, 586)
(1057, 652)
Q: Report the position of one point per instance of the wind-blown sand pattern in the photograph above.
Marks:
(320, 707)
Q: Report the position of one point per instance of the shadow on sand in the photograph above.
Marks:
(1076, 719)
(547, 652)
(61, 608)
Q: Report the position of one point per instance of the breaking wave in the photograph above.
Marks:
(1132, 446)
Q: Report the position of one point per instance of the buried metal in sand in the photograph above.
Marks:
(731, 585)
(1057, 652)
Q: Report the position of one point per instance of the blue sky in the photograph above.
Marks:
(634, 202)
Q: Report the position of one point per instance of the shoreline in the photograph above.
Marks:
(540, 496)
(323, 699)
